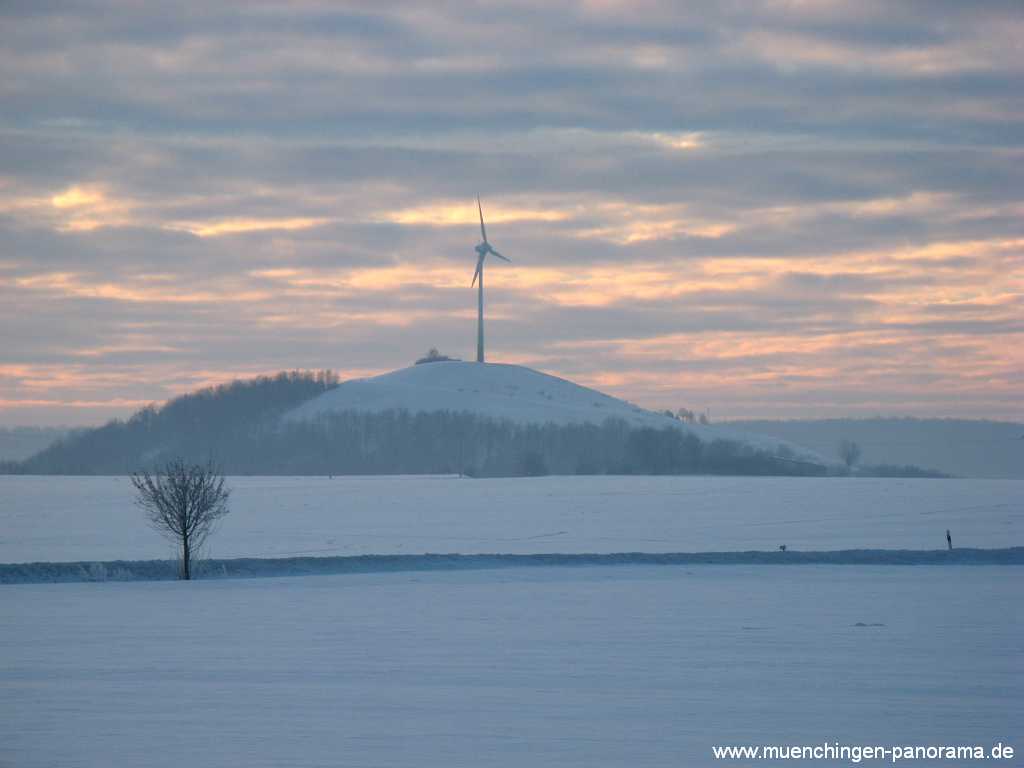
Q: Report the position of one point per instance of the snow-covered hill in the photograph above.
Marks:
(508, 392)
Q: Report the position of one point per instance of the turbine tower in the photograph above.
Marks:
(482, 250)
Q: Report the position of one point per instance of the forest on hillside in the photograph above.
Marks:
(211, 422)
(240, 427)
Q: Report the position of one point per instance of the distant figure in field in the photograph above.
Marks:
(782, 547)
(949, 540)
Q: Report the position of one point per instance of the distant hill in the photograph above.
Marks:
(18, 443)
(959, 447)
(442, 417)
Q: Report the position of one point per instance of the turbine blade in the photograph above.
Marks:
(505, 258)
(479, 269)
(483, 231)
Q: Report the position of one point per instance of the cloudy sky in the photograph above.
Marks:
(762, 209)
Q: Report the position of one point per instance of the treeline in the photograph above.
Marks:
(443, 442)
(214, 421)
(400, 442)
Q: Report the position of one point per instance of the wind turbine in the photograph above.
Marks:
(482, 250)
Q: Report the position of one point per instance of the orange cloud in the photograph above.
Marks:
(236, 226)
(88, 207)
(465, 214)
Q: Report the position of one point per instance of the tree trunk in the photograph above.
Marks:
(186, 572)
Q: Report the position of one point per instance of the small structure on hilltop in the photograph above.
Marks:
(433, 356)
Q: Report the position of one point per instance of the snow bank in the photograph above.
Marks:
(162, 570)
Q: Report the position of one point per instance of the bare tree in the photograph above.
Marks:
(849, 452)
(182, 502)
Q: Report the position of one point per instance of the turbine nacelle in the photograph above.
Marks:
(483, 248)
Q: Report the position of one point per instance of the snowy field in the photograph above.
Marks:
(93, 518)
(644, 666)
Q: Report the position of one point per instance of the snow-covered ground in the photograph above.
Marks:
(513, 393)
(642, 666)
(584, 666)
(93, 518)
